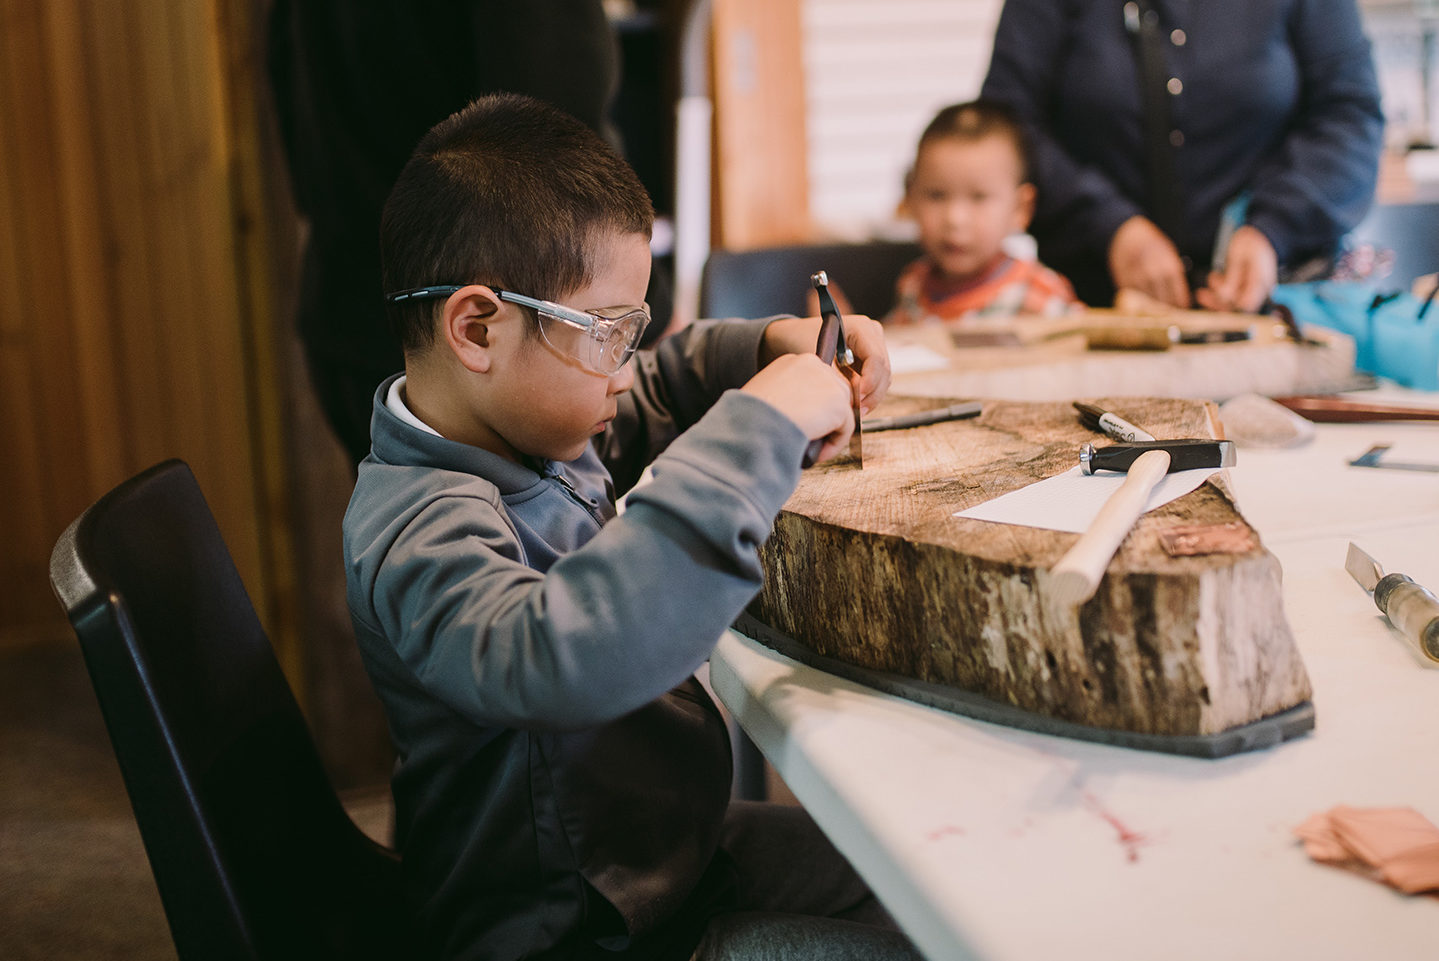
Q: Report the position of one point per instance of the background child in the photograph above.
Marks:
(968, 191)
(562, 780)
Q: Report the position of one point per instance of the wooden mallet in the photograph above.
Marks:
(1076, 577)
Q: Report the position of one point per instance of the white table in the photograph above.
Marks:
(992, 843)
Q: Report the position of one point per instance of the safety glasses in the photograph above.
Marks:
(603, 340)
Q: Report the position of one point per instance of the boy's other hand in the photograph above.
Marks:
(812, 394)
(1142, 258)
(865, 337)
(1251, 269)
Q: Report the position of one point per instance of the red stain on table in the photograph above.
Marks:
(1130, 839)
(945, 831)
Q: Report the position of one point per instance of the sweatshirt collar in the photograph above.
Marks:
(397, 439)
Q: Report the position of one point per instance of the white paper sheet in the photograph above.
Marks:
(915, 358)
(1070, 501)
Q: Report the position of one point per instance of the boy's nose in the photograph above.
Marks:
(623, 379)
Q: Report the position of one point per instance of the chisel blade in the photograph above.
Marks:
(1364, 569)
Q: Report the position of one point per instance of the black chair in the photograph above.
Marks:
(775, 280)
(252, 852)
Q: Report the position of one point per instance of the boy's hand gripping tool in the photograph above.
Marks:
(831, 348)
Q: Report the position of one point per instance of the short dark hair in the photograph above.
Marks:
(975, 120)
(508, 192)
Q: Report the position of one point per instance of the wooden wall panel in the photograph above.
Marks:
(132, 322)
(36, 383)
(761, 188)
(876, 71)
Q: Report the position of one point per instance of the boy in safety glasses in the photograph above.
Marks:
(562, 781)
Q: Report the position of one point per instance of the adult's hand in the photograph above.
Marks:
(1251, 270)
(1142, 258)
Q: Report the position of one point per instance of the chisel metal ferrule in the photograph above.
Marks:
(1413, 609)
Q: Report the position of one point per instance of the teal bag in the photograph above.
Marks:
(1395, 335)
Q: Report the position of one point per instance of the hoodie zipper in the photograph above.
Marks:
(590, 505)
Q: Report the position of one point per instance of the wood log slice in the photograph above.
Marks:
(871, 567)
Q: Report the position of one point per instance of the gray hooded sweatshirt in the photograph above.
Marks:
(561, 777)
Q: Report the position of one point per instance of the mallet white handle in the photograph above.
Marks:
(1076, 577)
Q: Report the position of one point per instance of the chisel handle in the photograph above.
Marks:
(1413, 609)
(1076, 577)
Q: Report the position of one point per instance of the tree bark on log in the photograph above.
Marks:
(871, 567)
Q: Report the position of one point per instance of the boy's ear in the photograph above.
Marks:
(465, 325)
(1023, 207)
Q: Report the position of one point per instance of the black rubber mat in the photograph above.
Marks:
(1263, 733)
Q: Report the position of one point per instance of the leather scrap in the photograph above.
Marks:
(1190, 539)
(1395, 846)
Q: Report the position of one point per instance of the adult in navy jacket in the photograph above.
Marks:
(1274, 124)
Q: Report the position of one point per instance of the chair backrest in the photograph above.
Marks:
(253, 855)
(775, 280)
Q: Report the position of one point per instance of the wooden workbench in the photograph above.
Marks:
(1048, 359)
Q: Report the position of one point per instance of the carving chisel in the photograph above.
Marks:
(1413, 609)
(1374, 457)
(831, 348)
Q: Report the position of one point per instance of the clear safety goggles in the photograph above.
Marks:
(603, 339)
